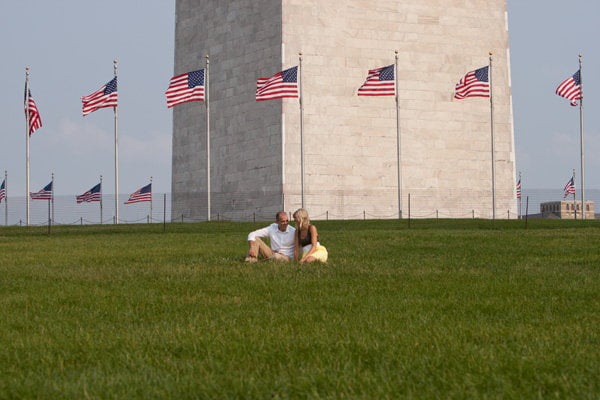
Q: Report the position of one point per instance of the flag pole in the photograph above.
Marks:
(301, 104)
(207, 105)
(581, 140)
(28, 124)
(574, 199)
(50, 200)
(520, 197)
(52, 197)
(116, 154)
(399, 166)
(100, 199)
(150, 200)
(492, 140)
(5, 198)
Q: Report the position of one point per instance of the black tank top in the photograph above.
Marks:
(307, 239)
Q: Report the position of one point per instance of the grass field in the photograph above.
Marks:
(448, 309)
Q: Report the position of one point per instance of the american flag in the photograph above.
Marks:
(571, 88)
(473, 84)
(143, 194)
(380, 82)
(569, 187)
(186, 87)
(35, 121)
(44, 194)
(282, 84)
(94, 194)
(518, 188)
(106, 96)
(3, 191)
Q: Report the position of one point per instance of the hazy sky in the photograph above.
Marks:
(546, 37)
(69, 46)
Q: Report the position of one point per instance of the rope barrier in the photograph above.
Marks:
(352, 207)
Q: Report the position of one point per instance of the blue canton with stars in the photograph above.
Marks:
(196, 78)
(111, 86)
(290, 75)
(387, 73)
(482, 74)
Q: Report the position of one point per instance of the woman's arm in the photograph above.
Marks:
(297, 247)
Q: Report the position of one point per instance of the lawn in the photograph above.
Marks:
(447, 309)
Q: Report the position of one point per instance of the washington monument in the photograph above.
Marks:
(338, 154)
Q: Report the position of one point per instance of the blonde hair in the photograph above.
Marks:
(303, 219)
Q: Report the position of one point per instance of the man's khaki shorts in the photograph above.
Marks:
(279, 257)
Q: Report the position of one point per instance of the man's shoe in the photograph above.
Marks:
(250, 259)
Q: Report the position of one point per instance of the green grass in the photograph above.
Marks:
(447, 309)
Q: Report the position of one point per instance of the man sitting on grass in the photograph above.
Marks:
(281, 237)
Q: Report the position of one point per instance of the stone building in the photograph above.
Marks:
(351, 159)
(566, 209)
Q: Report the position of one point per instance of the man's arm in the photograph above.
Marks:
(261, 233)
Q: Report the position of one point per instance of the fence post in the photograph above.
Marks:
(80, 220)
(327, 215)
(473, 213)
(364, 215)
(164, 212)
(409, 210)
(182, 217)
(437, 215)
(49, 218)
(526, 210)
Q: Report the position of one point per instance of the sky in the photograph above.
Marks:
(546, 37)
(70, 45)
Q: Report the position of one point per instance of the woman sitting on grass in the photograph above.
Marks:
(306, 244)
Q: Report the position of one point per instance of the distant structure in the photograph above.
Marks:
(566, 209)
(351, 159)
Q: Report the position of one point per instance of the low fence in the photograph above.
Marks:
(383, 204)
(64, 210)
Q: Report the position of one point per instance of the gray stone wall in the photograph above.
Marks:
(350, 142)
(243, 39)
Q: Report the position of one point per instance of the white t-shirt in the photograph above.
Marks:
(281, 242)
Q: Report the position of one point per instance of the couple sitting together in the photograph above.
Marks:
(287, 243)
